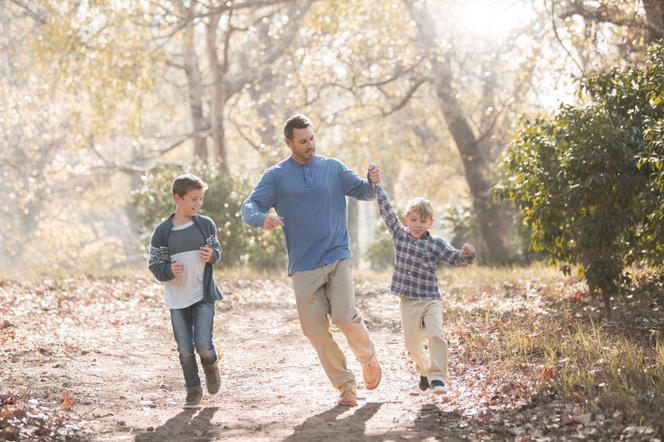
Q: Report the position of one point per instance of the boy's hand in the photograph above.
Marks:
(272, 221)
(374, 174)
(177, 269)
(468, 250)
(206, 253)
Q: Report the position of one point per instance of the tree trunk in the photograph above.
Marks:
(218, 99)
(655, 18)
(195, 89)
(475, 153)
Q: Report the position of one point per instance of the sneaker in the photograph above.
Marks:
(438, 387)
(212, 378)
(194, 396)
(348, 398)
(372, 374)
(424, 383)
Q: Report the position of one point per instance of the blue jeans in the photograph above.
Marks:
(192, 327)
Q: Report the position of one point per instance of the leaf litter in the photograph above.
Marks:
(93, 358)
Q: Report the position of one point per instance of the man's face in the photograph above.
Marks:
(303, 145)
(417, 224)
(191, 202)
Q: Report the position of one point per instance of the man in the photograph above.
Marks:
(308, 192)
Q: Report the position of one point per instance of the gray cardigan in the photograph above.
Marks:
(159, 260)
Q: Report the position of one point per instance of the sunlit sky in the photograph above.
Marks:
(485, 18)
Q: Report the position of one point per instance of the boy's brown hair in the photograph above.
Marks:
(186, 183)
(420, 206)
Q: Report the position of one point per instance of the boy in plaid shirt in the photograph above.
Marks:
(414, 280)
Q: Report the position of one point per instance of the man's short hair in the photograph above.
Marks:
(420, 206)
(186, 183)
(297, 121)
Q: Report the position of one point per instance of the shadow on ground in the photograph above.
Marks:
(185, 426)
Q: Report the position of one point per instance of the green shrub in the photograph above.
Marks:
(588, 180)
(380, 252)
(460, 219)
(240, 243)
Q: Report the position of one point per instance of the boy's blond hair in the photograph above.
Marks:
(420, 206)
(186, 183)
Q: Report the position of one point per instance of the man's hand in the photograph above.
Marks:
(374, 174)
(272, 221)
(468, 250)
(206, 253)
(177, 269)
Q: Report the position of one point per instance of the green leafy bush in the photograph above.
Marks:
(380, 252)
(241, 244)
(588, 180)
(460, 219)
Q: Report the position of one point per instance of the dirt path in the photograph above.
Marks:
(107, 344)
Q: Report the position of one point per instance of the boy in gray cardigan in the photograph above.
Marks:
(183, 249)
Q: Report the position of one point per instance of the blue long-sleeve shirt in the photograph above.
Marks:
(311, 200)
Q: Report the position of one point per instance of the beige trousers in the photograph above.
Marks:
(422, 319)
(328, 291)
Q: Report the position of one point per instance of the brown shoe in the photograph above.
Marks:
(212, 377)
(372, 374)
(348, 398)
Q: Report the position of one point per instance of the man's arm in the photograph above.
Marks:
(262, 198)
(387, 212)
(159, 262)
(355, 186)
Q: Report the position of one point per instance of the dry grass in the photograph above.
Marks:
(535, 322)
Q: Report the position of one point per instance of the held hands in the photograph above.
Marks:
(374, 174)
(468, 250)
(272, 221)
(206, 253)
(177, 269)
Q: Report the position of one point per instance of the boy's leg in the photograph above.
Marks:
(433, 330)
(341, 294)
(203, 318)
(313, 308)
(182, 323)
(203, 328)
(413, 333)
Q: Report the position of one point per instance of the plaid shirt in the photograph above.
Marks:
(416, 259)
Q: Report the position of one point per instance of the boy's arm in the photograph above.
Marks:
(262, 198)
(355, 186)
(213, 243)
(387, 212)
(450, 255)
(159, 262)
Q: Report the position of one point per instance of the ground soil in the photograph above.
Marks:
(102, 350)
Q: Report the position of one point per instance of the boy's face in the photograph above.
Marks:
(189, 204)
(417, 224)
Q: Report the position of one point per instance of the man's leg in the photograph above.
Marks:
(313, 308)
(344, 314)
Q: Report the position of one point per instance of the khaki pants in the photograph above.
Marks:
(423, 319)
(324, 291)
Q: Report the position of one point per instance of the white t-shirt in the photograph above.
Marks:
(184, 247)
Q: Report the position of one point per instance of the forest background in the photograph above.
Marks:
(534, 127)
